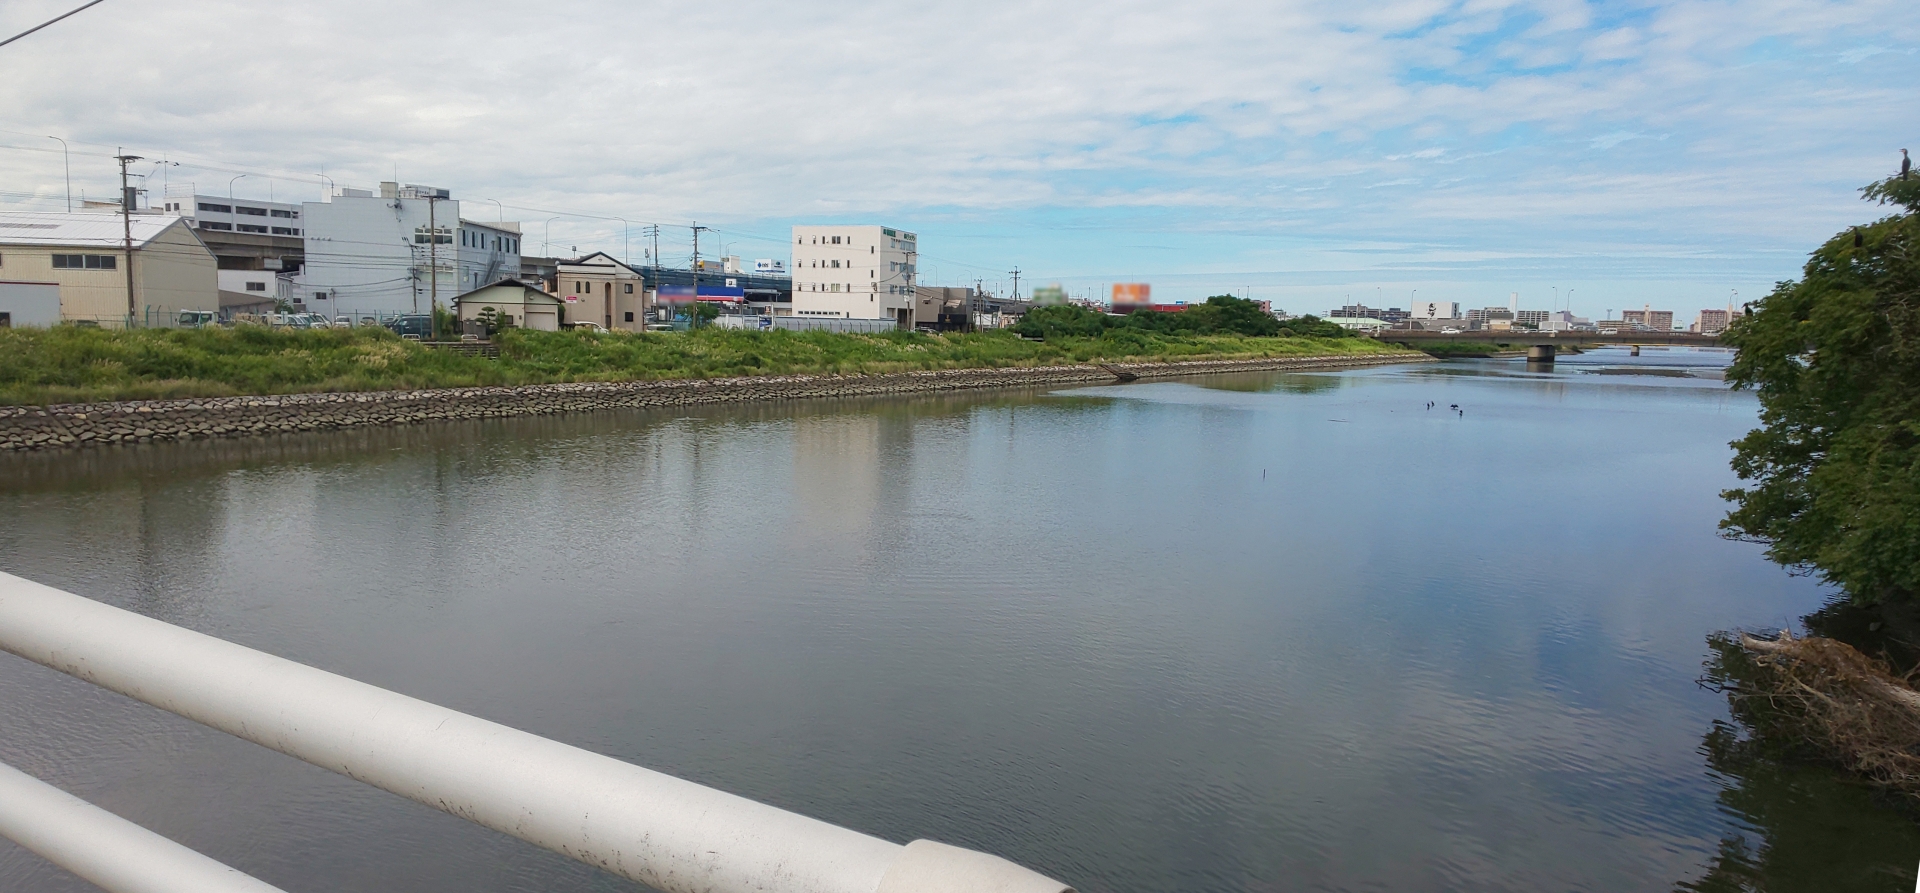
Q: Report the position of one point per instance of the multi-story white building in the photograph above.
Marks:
(854, 272)
(218, 213)
(256, 243)
(399, 251)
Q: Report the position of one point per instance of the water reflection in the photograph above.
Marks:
(1801, 828)
(1282, 631)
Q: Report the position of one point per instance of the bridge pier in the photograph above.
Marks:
(1635, 351)
(1540, 353)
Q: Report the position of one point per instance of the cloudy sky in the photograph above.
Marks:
(1304, 152)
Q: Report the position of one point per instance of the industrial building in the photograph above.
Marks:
(398, 252)
(86, 256)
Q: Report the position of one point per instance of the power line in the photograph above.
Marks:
(50, 21)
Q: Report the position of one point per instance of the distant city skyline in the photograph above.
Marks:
(1666, 154)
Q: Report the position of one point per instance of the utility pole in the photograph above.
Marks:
(691, 316)
(1015, 273)
(433, 262)
(126, 226)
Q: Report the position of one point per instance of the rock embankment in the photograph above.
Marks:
(139, 421)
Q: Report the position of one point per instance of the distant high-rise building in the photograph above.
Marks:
(1362, 311)
(1656, 320)
(1713, 322)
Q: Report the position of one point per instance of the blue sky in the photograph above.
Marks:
(1304, 152)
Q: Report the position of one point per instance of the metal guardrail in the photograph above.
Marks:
(662, 831)
(110, 851)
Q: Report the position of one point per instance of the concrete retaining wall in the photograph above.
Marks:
(85, 424)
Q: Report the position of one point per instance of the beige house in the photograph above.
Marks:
(599, 289)
(521, 304)
(84, 253)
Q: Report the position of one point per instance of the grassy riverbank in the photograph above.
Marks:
(75, 365)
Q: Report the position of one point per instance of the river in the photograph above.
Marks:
(1257, 632)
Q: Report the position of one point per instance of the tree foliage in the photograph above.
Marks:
(1220, 315)
(1835, 360)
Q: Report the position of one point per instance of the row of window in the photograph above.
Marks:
(85, 262)
(240, 209)
(249, 228)
(586, 288)
(472, 239)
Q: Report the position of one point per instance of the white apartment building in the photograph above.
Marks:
(398, 252)
(854, 272)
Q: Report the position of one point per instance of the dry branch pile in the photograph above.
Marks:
(1843, 705)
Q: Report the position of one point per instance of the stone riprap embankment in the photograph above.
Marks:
(140, 421)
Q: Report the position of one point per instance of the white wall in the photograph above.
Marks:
(867, 274)
(486, 254)
(361, 250)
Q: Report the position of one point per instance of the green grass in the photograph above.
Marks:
(76, 365)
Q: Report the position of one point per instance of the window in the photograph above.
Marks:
(84, 261)
(836, 240)
(319, 296)
(250, 228)
(285, 231)
(208, 224)
(629, 288)
(256, 286)
(441, 235)
(253, 212)
(287, 214)
(224, 209)
(629, 316)
(6, 320)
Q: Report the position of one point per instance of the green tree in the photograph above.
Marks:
(1062, 321)
(1835, 361)
(701, 313)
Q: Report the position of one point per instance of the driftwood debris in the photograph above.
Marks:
(1842, 703)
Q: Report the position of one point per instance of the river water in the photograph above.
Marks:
(1255, 632)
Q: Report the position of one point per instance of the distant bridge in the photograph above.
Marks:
(1542, 346)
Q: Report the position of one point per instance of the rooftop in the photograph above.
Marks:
(78, 230)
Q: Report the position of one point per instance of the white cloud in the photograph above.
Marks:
(985, 114)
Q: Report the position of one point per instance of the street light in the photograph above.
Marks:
(66, 162)
(233, 220)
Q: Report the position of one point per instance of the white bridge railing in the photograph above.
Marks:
(662, 831)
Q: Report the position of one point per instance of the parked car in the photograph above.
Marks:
(195, 319)
(588, 327)
(418, 326)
